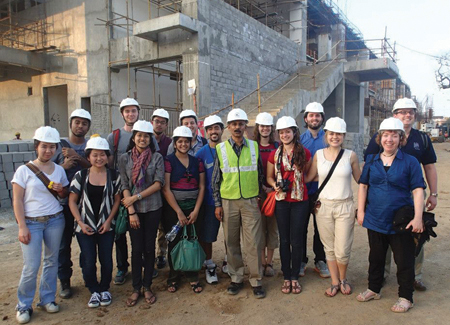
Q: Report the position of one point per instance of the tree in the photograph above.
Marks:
(443, 72)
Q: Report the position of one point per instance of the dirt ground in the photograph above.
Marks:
(215, 306)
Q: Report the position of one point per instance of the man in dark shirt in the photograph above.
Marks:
(70, 155)
(418, 145)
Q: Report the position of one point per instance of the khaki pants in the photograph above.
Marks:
(245, 213)
(336, 221)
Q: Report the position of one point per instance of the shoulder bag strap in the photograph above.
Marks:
(39, 174)
(330, 173)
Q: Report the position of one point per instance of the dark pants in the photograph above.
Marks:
(143, 248)
(291, 220)
(403, 247)
(64, 259)
(318, 250)
(122, 252)
(89, 244)
(170, 219)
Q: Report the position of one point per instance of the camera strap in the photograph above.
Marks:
(330, 173)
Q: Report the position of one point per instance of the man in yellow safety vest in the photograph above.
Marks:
(236, 183)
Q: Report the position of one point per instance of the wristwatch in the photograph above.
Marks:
(139, 196)
(434, 194)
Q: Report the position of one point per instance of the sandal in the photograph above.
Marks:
(332, 293)
(286, 287)
(131, 302)
(343, 284)
(402, 305)
(268, 270)
(149, 296)
(197, 287)
(296, 287)
(172, 287)
(368, 295)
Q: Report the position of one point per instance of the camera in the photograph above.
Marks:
(284, 185)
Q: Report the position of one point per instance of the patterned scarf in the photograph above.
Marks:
(297, 185)
(140, 164)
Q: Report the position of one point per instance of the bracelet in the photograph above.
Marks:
(132, 214)
(434, 194)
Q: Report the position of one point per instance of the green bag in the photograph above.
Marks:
(188, 255)
(121, 221)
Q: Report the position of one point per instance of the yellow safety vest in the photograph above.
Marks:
(239, 171)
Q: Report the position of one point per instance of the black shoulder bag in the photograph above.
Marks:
(314, 202)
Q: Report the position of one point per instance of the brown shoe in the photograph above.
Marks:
(419, 285)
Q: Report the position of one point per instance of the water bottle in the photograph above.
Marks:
(170, 236)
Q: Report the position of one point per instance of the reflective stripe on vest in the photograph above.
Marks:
(242, 171)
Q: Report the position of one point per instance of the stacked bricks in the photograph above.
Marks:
(13, 154)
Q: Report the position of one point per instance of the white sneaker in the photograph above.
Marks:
(225, 267)
(51, 307)
(94, 302)
(105, 299)
(23, 316)
(211, 276)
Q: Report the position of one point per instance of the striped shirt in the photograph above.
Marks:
(88, 216)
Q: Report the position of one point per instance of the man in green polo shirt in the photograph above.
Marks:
(236, 182)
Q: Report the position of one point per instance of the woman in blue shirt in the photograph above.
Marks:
(386, 184)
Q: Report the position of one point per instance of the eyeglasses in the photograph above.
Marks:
(409, 112)
(159, 122)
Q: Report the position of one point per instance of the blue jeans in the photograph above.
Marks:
(50, 232)
(89, 245)
(291, 219)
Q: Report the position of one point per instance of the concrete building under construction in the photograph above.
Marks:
(274, 56)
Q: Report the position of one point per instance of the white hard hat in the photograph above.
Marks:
(237, 114)
(314, 107)
(143, 126)
(264, 118)
(97, 143)
(161, 113)
(285, 122)
(79, 112)
(404, 103)
(211, 120)
(391, 123)
(336, 124)
(182, 131)
(188, 113)
(47, 134)
(129, 102)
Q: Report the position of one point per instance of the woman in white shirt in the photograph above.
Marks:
(336, 214)
(40, 219)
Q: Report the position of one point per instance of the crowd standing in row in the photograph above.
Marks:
(191, 182)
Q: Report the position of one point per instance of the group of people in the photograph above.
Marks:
(77, 186)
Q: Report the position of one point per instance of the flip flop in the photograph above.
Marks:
(172, 287)
(344, 283)
(332, 288)
(196, 286)
(149, 300)
(132, 302)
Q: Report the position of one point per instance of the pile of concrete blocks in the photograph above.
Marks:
(13, 154)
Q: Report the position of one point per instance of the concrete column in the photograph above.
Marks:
(340, 99)
(354, 108)
(298, 17)
(324, 47)
(338, 34)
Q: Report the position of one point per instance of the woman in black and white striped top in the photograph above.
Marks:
(94, 200)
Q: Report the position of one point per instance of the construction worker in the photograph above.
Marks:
(214, 129)
(237, 181)
(71, 156)
(118, 142)
(160, 121)
(313, 140)
(189, 118)
(418, 145)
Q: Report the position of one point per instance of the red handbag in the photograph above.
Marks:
(268, 207)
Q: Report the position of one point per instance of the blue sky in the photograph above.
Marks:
(421, 26)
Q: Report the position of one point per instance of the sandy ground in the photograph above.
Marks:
(215, 306)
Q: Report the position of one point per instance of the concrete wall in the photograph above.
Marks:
(239, 48)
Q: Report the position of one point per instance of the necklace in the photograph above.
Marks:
(387, 156)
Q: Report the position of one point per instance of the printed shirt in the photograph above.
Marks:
(207, 156)
(85, 206)
(389, 191)
(290, 175)
(265, 152)
(313, 144)
(414, 146)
